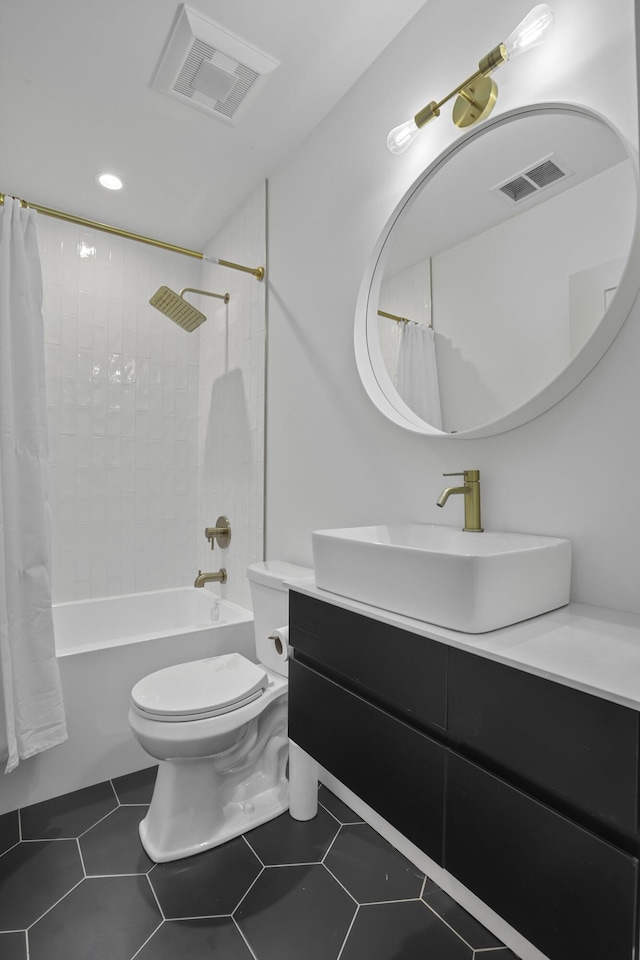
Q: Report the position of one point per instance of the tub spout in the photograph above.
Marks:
(219, 577)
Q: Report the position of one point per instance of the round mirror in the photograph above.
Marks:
(503, 275)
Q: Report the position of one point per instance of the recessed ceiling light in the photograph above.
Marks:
(110, 181)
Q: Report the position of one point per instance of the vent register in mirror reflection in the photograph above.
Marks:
(510, 247)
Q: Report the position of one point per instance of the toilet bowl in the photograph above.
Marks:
(219, 729)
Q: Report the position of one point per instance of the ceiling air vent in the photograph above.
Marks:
(536, 178)
(208, 68)
(518, 189)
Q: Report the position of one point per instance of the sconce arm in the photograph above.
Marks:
(486, 66)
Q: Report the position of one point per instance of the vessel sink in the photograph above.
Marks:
(472, 582)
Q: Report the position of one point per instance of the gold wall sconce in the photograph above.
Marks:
(476, 96)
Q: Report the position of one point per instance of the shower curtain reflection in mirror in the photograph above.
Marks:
(408, 347)
(416, 378)
(31, 708)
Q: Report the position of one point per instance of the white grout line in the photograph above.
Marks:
(484, 950)
(147, 940)
(82, 863)
(49, 909)
(344, 942)
(442, 920)
(326, 809)
(115, 792)
(101, 820)
(199, 916)
(380, 903)
(50, 840)
(248, 945)
(339, 882)
(155, 897)
(298, 863)
(338, 832)
(349, 823)
(254, 852)
(247, 891)
(16, 844)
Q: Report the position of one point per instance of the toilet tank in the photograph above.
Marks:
(268, 582)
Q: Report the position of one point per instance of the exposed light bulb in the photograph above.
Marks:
(402, 136)
(533, 30)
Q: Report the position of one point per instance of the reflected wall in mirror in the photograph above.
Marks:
(509, 262)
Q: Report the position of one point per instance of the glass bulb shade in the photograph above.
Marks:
(534, 29)
(402, 136)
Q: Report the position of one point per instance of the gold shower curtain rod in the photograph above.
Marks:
(394, 316)
(258, 272)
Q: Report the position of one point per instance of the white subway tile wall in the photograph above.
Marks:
(232, 392)
(123, 401)
(123, 436)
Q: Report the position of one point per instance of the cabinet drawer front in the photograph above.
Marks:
(576, 746)
(567, 891)
(401, 670)
(396, 770)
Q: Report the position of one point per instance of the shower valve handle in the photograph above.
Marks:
(220, 534)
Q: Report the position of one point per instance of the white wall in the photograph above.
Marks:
(332, 459)
(232, 400)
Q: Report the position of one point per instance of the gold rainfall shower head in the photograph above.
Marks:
(174, 306)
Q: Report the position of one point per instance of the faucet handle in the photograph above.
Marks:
(469, 475)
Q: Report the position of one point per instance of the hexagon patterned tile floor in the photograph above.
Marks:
(75, 884)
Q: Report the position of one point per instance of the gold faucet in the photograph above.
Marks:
(471, 491)
(219, 577)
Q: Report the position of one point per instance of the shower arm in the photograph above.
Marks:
(206, 293)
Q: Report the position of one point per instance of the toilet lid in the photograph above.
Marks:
(199, 689)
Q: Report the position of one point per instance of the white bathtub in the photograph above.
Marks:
(104, 646)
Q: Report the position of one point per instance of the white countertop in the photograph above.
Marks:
(589, 648)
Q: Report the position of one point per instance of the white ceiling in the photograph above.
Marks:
(75, 99)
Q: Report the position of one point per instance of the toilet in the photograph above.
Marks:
(219, 729)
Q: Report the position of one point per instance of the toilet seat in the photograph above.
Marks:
(199, 689)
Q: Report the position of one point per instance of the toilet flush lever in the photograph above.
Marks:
(220, 534)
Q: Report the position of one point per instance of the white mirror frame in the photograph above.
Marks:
(371, 366)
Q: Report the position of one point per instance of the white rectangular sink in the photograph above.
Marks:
(472, 582)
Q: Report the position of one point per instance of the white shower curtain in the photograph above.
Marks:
(31, 709)
(416, 372)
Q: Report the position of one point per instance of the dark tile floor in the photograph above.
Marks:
(75, 884)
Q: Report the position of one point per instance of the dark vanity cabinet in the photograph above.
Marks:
(524, 789)
(366, 723)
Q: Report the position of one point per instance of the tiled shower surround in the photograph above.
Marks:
(130, 414)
